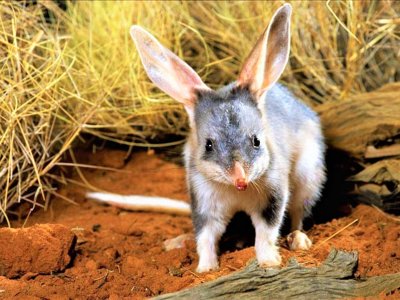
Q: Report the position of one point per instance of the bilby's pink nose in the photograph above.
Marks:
(239, 177)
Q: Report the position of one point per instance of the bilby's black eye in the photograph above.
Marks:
(209, 145)
(256, 142)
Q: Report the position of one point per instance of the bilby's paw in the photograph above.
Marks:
(269, 258)
(207, 266)
(298, 240)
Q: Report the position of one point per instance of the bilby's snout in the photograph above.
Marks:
(238, 176)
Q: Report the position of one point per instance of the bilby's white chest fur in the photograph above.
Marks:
(217, 199)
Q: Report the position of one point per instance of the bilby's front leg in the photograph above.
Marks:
(207, 244)
(210, 215)
(267, 225)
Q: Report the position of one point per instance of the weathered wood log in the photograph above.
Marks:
(332, 280)
(379, 184)
(367, 128)
(363, 120)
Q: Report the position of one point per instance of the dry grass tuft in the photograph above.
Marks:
(35, 125)
(110, 77)
(81, 73)
(338, 48)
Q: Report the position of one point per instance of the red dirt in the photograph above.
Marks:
(120, 253)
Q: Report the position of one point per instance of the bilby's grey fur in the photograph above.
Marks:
(253, 131)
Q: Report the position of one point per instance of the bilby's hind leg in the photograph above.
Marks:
(309, 176)
(297, 239)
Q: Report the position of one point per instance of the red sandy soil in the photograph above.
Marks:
(120, 253)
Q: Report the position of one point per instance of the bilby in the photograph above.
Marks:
(252, 147)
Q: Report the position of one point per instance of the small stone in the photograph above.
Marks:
(175, 272)
(114, 297)
(135, 262)
(137, 233)
(177, 242)
(111, 253)
(96, 227)
(91, 265)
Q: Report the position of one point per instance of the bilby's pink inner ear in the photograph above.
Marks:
(268, 59)
(166, 70)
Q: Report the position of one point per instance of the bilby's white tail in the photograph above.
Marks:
(144, 203)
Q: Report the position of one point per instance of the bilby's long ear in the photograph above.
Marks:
(268, 59)
(166, 70)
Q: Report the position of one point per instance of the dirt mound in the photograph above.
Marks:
(43, 249)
